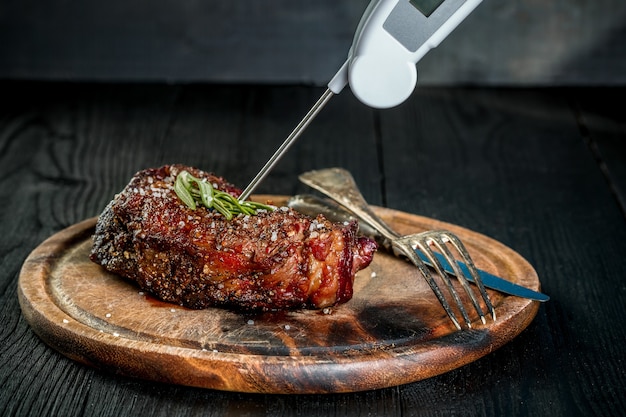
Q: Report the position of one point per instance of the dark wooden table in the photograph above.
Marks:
(542, 171)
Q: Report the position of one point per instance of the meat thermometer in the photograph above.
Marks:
(391, 37)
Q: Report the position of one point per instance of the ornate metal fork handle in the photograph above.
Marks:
(339, 185)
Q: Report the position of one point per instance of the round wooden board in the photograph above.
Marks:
(392, 332)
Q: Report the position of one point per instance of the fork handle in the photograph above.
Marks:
(339, 185)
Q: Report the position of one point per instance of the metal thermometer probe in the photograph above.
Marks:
(391, 37)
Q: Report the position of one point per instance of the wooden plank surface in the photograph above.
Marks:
(603, 126)
(512, 164)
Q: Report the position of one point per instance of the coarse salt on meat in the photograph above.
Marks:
(274, 260)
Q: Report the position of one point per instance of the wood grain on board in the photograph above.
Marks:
(392, 332)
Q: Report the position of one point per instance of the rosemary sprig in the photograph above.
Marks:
(195, 191)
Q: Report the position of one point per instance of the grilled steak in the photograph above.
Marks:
(196, 258)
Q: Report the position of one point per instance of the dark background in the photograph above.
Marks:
(512, 42)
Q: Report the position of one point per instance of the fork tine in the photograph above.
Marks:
(439, 240)
(423, 242)
(403, 247)
(440, 237)
(460, 247)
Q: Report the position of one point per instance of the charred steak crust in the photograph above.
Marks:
(196, 258)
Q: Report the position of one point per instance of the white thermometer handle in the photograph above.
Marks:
(392, 36)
